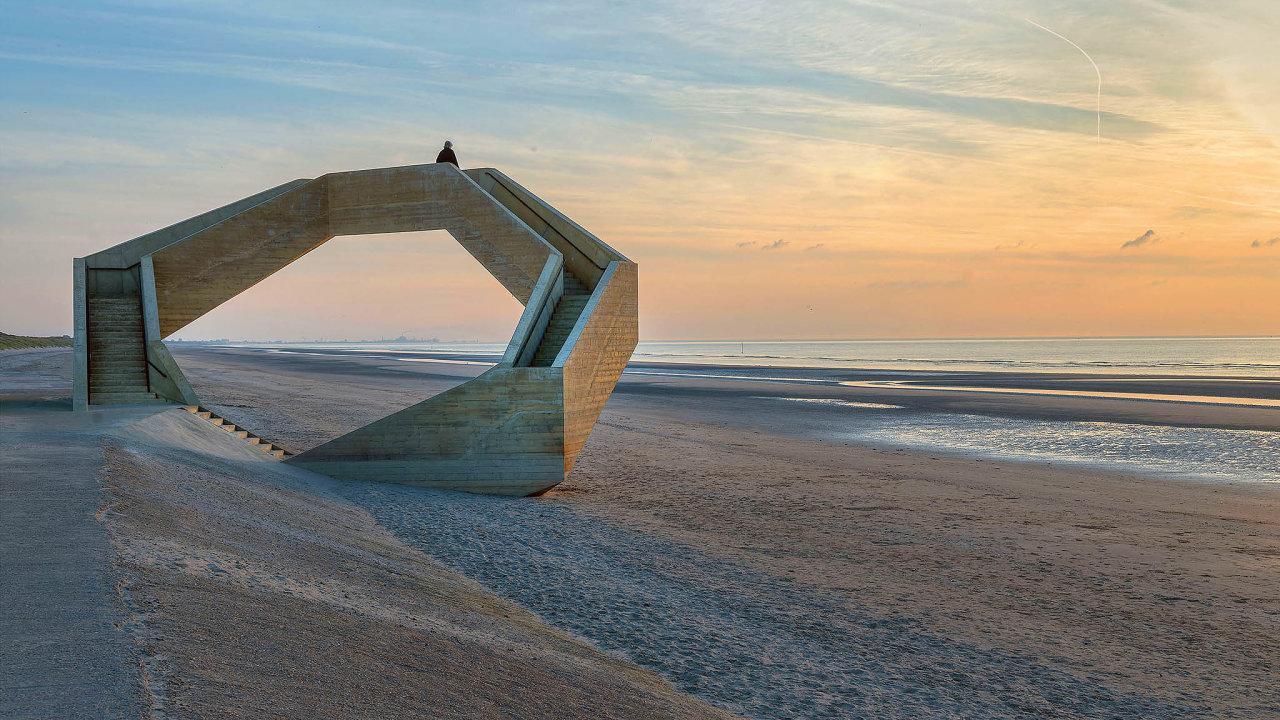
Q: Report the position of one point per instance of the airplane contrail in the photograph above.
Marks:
(1086, 57)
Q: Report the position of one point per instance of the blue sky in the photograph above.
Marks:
(919, 162)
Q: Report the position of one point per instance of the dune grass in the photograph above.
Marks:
(11, 342)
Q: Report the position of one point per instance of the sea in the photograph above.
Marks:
(1196, 453)
(1196, 356)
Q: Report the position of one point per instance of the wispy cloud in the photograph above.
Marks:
(1266, 243)
(776, 245)
(746, 244)
(1147, 238)
(815, 247)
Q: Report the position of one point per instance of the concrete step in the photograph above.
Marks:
(116, 375)
(137, 362)
(117, 362)
(573, 281)
(133, 381)
(112, 390)
(117, 358)
(248, 437)
(128, 397)
(118, 379)
(101, 369)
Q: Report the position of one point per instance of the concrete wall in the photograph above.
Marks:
(80, 342)
(204, 270)
(586, 256)
(596, 353)
(501, 433)
(164, 376)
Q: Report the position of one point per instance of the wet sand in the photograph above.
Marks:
(1090, 594)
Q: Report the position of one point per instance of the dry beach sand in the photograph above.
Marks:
(242, 591)
(769, 571)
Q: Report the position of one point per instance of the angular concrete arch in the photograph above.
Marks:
(517, 429)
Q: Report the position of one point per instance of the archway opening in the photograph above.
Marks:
(360, 327)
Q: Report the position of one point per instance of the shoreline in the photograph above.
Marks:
(838, 412)
(1248, 391)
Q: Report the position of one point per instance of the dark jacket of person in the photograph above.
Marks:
(446, 155)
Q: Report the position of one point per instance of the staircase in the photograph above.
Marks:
(117, 353)
(273, 450)
(565, 316)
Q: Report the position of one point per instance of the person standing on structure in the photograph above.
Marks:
(446, 155)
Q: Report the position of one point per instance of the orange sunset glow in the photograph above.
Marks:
(837, 173)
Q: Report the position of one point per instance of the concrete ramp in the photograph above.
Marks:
(515, 430)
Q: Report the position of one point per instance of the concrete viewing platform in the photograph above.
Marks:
(515, 430)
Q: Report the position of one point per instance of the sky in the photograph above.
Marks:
(778, 170)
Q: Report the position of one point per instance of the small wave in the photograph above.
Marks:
(833, 401)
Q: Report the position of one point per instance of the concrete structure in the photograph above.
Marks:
(516, 429)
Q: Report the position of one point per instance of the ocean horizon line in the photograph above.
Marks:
(421, 341)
